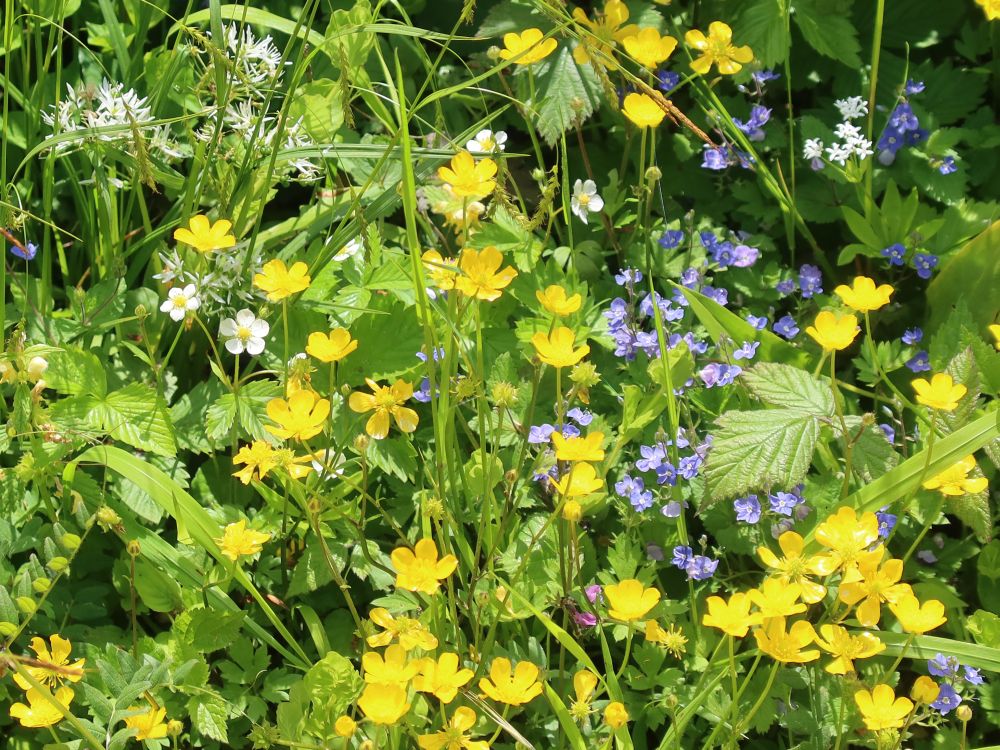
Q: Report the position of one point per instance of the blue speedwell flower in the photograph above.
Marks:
(895, 254)
(747, 509)
(786, 328)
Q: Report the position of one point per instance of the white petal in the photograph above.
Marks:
(174, 292)
(177, 314)
(190, 291)
(473, 147)
(234, 346)
(259, 328)
(590, 187)
(193, 303)
(596, 203)
(167, 306)
(578, 187)
(245, 318)
(255, 346)
(227, 327)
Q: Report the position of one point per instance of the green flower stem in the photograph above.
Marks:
(848, 443)
(902, 653)
(905, 507)
(765, 693)
(872, 87)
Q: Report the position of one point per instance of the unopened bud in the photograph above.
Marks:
(174, 728)
(141, 312)
(361, 443)
(345, 726)
(572, 511)
(493, 53)
(36, 368)
(504, 394)
(314, 506)
(653, 174)
(107, 518)
(134, 548)
(963, 713)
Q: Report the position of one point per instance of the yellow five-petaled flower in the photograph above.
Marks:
(280, 281)
(301, 417)
(527, 47)
(468, 178)
(204, 236)
(834, 332)
(386, 401)
(941, 393)
(557, 348)
(863, 295)
(238, 541)
(420, 569)
(717, 48)
(482, 276)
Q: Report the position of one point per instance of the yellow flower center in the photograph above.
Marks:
(384, 399)
(583, 199)
(243, 333)
(487, 144)
(180, 301)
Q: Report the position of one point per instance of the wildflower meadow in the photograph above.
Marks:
(467, 374)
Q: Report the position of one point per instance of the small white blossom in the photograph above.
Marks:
(349, 250)
(861, 147)
(487, 142)
(839, 152)
(813, 149)
(180, 301)
(585, 199)
(244, 334)
(852, 107)
(846, 131)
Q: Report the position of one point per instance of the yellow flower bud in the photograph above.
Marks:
(345, 726)
(572, 511)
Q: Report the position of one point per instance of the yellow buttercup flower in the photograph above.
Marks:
(150, 724)
(615, 715)
(777, 598)
(239, 541)
(39, 711)
(481, 276)
(442, 271)
(386, 401)
(794, 567)
(279, 281)
(419, 569)
(863, 295)
(834, 332)
(384, 704)
(718, 49)
(579, 448)
(345, 726)
(872, 583)
(941, 393)
(455, 734)
(527, 47)
(301, 417)
(556, 348)
(648, 48)
(643, 110)
(56, 658)
(991, 8)
(391, 668)
(629, 600)
(468, 178)
(607, 29)
(732, 617)
(443, 678)
(584, 685)
(845, 648)
(257, 459)
(514, 687)
(554, 300)
(881, 709)
(847, 536)
(330, 347)
(955, 480)
(916, 617)
(925, 690)
(205, 237)
(579, 481)
(671, 638)
(409, 632)
(995, 329)
(787, 646)
(572, 511)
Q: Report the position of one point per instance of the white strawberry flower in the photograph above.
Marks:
(487, 142)
(585, 199)
(180, 301)
(244, 334)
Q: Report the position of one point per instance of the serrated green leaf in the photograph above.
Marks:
(74, 371)
(783, 385)
(759, 450)
(872, 455)
(567, 93)
(829, 33)
(761, 24)
(208, 716)
(210, 630)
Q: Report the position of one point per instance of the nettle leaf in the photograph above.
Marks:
(136, 415)
(974, 512)
(761, 24)
(787, 386)
(872, 454)
(759, 449)
(566, 93)
(828, 31)
(208, 714)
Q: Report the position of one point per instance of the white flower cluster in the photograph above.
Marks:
(254, 69)
(120, 113)
(219, 279)
(852, 141)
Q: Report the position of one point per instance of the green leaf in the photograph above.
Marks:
(74, 371)
(761, 24)
(254, 17)
(567, 93)
(210, 630)
(974, 511)
(640, 409)
(248, 408)
(988, 562)
(332, 684)
(759, 450)
(783, 385)
(872, 455)
(723, 324)
(135, 415)
(828, 31)
(208, 714)
(571, 732)
(926, 646)
(973, 273)
(320, 106)
(156, 589)
(864, 231)
(985, 628)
